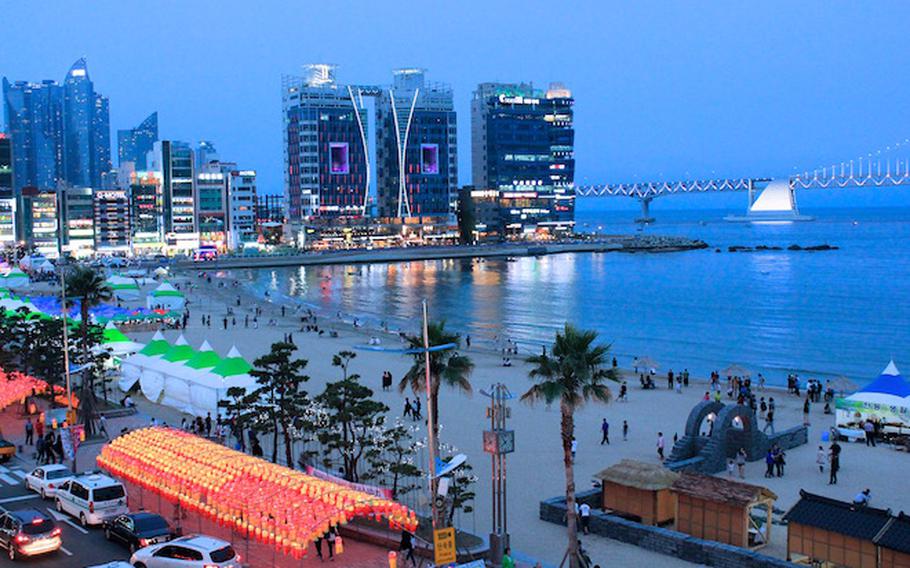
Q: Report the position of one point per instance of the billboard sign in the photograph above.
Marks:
(340, 158)
(429, 158)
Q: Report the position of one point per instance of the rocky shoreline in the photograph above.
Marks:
(794, 248)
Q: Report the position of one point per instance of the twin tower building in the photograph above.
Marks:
(522, 150)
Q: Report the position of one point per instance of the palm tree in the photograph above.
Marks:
(574, 373)
(89, 287)
(446, 366)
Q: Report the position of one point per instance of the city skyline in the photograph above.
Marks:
(787, 103)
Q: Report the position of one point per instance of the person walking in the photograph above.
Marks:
(574, 448)
(605, 432)
(834, 458)
(806, 411)
(408, 410)
(29, 432)
(869, 429)
(417, 414)
(318, 544)
(769, 463)
(660, 446)
(407, 546)
(40, 451)
(330, 541)
(741, 462)
(769, 421)
(39, 426)
(625, 431)
(102, 426)
(821, 457)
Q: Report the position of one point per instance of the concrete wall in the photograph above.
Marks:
(664, 541)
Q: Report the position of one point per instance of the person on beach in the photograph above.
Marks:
(605, 432)
(834, 458)
(574, 448)
(467, 341)
(769, 421)
(417, 415)
(660, 446)
(779, 461)
(584, 511)
(862, 499)
(869, 429)
(670, 379)
(769, 463)
(806, 411)
(821, 457)
(741, 462)
(408, 409)
(624, 392)
(731, 467)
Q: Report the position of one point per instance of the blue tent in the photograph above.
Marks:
(889, 382)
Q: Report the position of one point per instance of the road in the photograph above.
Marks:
(81, 547)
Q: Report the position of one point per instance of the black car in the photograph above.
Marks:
(138, 530)
(28, 532)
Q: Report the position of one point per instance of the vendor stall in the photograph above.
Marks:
(885, 400)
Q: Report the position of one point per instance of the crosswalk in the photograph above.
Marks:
(11, 476)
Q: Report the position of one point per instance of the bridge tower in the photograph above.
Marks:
(771, 200)
(645, 209)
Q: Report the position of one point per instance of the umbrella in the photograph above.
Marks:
(843, 385)
(736, 370)
(646, 362)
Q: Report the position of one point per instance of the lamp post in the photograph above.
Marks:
(498, 441)
(70, 414)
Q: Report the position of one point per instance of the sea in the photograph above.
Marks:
(825, 314)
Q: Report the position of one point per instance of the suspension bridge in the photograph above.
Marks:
(769, 199)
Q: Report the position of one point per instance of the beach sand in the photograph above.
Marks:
(535, 470)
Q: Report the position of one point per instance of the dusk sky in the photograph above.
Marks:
(663, 89)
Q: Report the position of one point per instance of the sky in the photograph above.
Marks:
(664, 89)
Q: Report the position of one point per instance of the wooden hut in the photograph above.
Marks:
(639, 490)
(894, 543)
(714, 508)
(826, 532)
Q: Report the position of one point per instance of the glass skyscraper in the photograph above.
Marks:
(34, 119)
(522, 142)
(134, 144)
(59, 133)
(416, 148)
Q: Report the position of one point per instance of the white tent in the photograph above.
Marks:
(15, 278)
(118, 343)
(45, 267)
(208, 388)
(886, 399)
(123, 288)
(166, 297)
(132, 368)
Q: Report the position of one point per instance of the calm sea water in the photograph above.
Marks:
(843, 312)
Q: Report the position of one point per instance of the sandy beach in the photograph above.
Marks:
(535, 470)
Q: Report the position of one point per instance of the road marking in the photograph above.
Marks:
(21, 498)
(19, 473)
(64, 519)
(8, 480)
(65, 551)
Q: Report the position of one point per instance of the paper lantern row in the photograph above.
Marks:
(263, 501)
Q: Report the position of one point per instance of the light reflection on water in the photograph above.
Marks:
(839, 312)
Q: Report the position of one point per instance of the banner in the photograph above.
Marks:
(371, 489)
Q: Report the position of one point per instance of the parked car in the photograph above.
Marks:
(193, 551)
(28, 532)
(138, 530)
(92, 498)
(114, 564)
(45, 480)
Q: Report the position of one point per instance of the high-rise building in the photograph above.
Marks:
(241, 208)
(112, 221)
(41, 220)
(60, 133)
(416, 148)
(34, 119)
(211, 203)
(174, 163)
(326, 155)
(134, 144)
(206, 153)
(86, 129)
(8, 207)
(522, 142)
(78, 220)
(146, 211)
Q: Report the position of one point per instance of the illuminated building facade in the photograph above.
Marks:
(8, 207)
(78, 220)
(326, 154)
(40, 220)
(34, 119)
(416, 149)
(86, 129)
(112, 221)
(211, 204)
(173, 161)
(522, 142)
(146, 211)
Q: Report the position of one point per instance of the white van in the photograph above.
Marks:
(92, 498)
